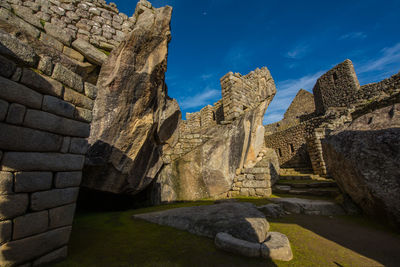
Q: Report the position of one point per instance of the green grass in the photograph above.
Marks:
(107, 53)
(115, 239)
(43, 22)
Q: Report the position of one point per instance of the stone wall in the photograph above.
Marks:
(94, 21)
(48, 72)
(241, 93)
(336, 88)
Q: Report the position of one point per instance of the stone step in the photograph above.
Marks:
(296, 177)
(308, 184)
(323, 192)
(309, 206)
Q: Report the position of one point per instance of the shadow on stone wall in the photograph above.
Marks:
(299, 159)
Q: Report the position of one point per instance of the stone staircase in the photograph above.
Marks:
(302, 181)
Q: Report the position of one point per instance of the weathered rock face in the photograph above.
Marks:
(133, 115)
(209, 170)
(364, 160)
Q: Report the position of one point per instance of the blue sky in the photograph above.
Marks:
(297, 40)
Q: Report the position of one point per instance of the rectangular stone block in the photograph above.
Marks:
(30, 224)
(33, 181)
(57, 106)
(62, 216)
(67, 77)
(3, 109)
(14, 48)
(41, 83)
(31, 161)
(91, 53)
(18, 22)
(71, 53)
(26, 14)
(65, 144)
(7, 67)
(53, 198)
(17, 93)
(55, 124)
(23, 250)
(78, 146)
(58, 33)
(51, 41)
(68, 179)
(6, 183)
(46, 65)
(52, 257)
(83, 114)
(78, 99)
(90, 90)
(16, 113)
(16, 138)
(5, 231)
(12, 206)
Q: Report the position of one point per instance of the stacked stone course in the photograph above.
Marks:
(94, 21)
(49, 63)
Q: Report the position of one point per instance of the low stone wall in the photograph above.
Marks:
(47, 94)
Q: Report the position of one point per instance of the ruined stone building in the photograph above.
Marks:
(84, 105)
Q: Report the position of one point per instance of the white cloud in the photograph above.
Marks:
(199, 100)
(353, 35)
(298, 52)
(389, 56)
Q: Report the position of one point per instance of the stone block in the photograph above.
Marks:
(90, 90)
(14, 48)
(68, 179)
(58, 106)
(7, 67)
(83, 114)
(244, 192)
(78, 99)
(17, 93)
(51, 41)
(6, 183)
(254, 183)
(65, 144)
(32, 181)
(53, 198)
(30, 224)
(46, 65)
(5, 231)
(62, 216)
(3, 109)
(55, 124)
(73, 54)
(78, 146)
(12, 19)
(26, 14)
(23, 250)
(41, 83)
(68, 77)
(58, 33)
(16, 113)
(17, 75)
(12, 206)
(90, 52)
(31, 161)
(52, 257)
(17, 138)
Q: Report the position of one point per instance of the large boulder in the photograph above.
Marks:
(133, 115)
(364, 160)
(209, 170)
(241, 220)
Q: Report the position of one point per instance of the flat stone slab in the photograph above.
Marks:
(272, 210)
(276, 247)
(241, 220)
(229, 243)
(309, 206)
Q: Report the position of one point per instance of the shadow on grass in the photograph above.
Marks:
(115, 239)
(357, 234)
